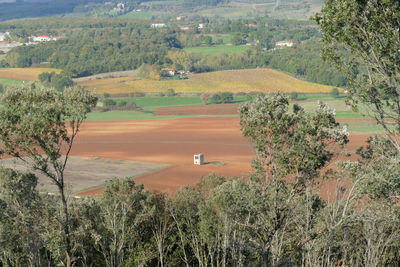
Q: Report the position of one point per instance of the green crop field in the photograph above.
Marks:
(217, 49)
(9, 81)
(355, 122)
(226, 38)
(151, 102)
(138, 15)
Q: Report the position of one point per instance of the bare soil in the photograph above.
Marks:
(174, 142)
(217, 109)
(86, 173)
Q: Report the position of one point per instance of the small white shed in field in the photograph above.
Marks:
(198, 159)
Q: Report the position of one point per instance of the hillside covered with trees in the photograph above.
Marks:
(91, 46)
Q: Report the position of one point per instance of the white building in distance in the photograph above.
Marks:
(159, 25)
(198, 159)
(283, 44)
(3, 36)
(43, 38)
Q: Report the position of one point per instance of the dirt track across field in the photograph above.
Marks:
(173, 142)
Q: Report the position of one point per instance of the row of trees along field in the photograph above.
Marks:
(91, 47)
(273, 217)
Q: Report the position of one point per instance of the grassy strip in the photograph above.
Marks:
(150, 103)
(138, 15)
(10, 82)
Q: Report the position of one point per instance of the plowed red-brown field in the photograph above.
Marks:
(173, 142)
(217, 109)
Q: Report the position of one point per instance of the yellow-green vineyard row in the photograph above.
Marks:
(250, 80)
(24, 74)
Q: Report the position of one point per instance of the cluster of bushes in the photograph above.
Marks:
(58, 81)
(218, 98)
(108, 104)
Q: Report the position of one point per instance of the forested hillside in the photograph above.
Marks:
(89, 46)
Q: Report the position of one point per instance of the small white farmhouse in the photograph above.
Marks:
(198, 159)
(284, 43)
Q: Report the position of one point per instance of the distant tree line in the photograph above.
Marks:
(94, 46)
(93, 51)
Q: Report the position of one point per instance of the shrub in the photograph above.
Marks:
(215, 99)
(131, 106)
(106, 95)
(226, 97)
(205, 98)
(122, 103)
(170, 92)
(334, 92)
(294, 95)
(108, 102)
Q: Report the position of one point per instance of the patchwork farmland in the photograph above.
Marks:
(249, 80)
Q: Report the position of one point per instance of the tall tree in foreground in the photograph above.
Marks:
(20, 228)
(39, 126)
(367, 32)
(291, 149)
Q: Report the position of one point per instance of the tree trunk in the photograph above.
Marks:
(66, 227)
(266, 258)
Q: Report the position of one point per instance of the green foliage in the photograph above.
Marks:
(224, 97)
(119, 224)
(152, 72)
(122, 103)
(334, 92)
(108, 102)
(112, 104)
(304, 61)
(84, 51)
(294, 95)
(215, 99)
(378, 170)
(170, 93)
(367, 32)
(290, 143)
(217, 49)
(58, 81)
(21, 206)
(36, 125)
